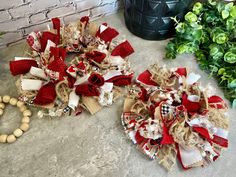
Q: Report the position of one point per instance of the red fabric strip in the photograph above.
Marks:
(124, 49)
(167, 138)
(56, 25)
(87, 90)
(46, 95)
(48, 36)
(203, 132)
(192, 107)
(181, 71)
(96, 56)
(145, 78)
(122, 80)
(220, 141)
(108, 34)
(85, 19)
(21, 66)
(179, 157)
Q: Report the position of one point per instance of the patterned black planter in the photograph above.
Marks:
(150, 19)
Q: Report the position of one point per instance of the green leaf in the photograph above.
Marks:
(213, 68)
(219, 36)
(225, 14)
(230, 24)
(190, 17)
(234, 104)
(220, 6)
(212, 2)
(232, 84)
(230, 56)
(229, 6)
(181, 27)
(195, 25)
(221, 71)
(233, 11)
(170, 50)
(197, 8)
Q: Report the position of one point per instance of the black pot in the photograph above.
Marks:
(151, 19)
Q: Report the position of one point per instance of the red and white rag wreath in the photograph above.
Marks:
(93, 78)
(169, 116)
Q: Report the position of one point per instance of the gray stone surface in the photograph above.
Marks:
(88, 146)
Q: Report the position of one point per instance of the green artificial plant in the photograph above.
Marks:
(209, 32)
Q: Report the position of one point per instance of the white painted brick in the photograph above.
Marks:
(4, 16)
(14, 24)
(39, 5)
(10, 37)
(66, 1)
(61, 11)
(87, 4)
(108, 1)
(37, 17)
(102, 10)
(38, 27)
(21, 11)
(75, 17)
(6, 4)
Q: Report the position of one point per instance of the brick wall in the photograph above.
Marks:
(19, 17)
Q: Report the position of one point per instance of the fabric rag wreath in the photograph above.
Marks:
(91, 80)
(169, 116)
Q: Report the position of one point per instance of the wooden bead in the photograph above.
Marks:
(13, 101)
(2, 105)
(25, 120)
(27, 113)
(23, 108)
(3, 138)
(24, 127)
(19, 104)
(6, 98)
(11, 138)
(18, 132)
(1, 112)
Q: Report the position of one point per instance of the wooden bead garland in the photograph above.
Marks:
(4, 138)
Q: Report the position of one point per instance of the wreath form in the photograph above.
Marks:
(169, 116)
(93, 78)
(4, 138)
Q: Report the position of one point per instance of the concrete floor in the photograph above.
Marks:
(89, 146)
